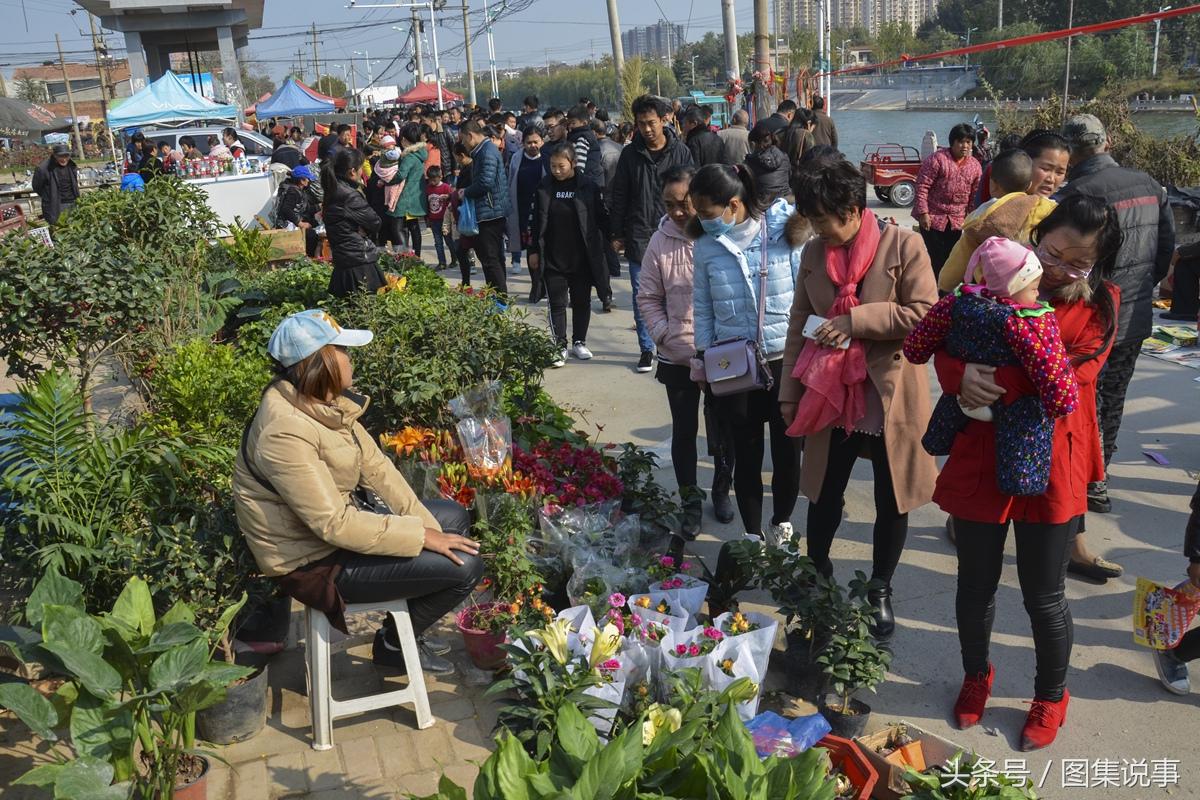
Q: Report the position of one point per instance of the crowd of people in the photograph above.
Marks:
(1028, 285)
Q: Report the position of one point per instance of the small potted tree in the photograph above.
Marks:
(852, 661)
(134, 684)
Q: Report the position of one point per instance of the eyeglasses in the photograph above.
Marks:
(1074, 271)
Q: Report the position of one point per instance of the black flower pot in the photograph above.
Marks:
(241, 715)
(849, 725)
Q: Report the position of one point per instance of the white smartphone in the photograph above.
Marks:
(815, 321)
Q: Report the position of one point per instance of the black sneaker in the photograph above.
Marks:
(439, 647)
(607, 306)
(385, 654)
(646, 362)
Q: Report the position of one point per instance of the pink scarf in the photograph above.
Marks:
(391, 191)
(834, 378)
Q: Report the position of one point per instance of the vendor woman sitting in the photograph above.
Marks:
(307, 487)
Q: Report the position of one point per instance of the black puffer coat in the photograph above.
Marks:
(1149, 230)
(771, 172)
(351, 226)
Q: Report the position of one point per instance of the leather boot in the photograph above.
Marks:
(722, 506)
(693, 513)
(885, 622)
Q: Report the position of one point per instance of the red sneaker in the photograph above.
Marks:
(973, 697)
(1044, 720)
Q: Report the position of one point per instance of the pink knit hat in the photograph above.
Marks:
(1008, 267)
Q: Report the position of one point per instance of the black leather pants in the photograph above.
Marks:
(432, 583)
(1042, 554)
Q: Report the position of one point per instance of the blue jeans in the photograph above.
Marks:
(643, 335)
(441, 242)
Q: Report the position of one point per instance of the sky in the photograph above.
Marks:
(559, 30)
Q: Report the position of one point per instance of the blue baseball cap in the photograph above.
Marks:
(306, 332)
(303, 171)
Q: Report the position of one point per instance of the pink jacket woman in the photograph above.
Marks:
(665, 292)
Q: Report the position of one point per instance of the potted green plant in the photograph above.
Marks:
(852, 661)
(487, 626)
(135, 681)
(933, 784)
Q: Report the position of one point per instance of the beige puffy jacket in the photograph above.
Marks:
(314, 459)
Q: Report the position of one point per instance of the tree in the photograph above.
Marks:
(895, 39)
(31, 90)
(633, 84)
(330, 85)
(255, 80)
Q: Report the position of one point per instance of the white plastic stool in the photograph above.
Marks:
(318, 652)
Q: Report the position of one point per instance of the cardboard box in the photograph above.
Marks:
(891, 785)
(285, 245)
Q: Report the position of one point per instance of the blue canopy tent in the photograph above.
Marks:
(168, 101)
(293, 100)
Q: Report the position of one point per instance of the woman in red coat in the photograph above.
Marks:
(1077, 244)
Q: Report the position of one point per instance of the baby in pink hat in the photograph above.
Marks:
(1001, 323)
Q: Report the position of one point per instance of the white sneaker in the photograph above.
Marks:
(779, 535)
(514, 269)
(580, 351)
(561, 361)
(753, 537)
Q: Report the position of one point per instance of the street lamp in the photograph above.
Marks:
(967, 57)
(366, 57)
(693, 60)
(842, 50)
(1157, 31)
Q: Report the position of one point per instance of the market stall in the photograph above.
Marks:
(236, 188)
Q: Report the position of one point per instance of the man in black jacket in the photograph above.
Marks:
(706, 147)
(1143, 261)
(56, 181)
(637, 207)
(295, 207)
(530, 115)
(825, 131)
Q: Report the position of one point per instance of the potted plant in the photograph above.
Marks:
(851, 663)
(134, 684)
(933, 785)
(486, 626)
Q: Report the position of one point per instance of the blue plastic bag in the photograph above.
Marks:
(775, 736)
(468, 225)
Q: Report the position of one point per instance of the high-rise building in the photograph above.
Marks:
(869, 14)
(659, 41)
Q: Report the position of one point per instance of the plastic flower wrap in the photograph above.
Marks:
(755, 632)
(656, 607)
(728, 662)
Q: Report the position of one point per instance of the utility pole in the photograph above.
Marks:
(1157, 32)
(614, 31)
(487, 21)
(353, 85)
(300, 65)
(762, 54)
(70, 100)
(1000, 15)
(467, 49)
(729, 26)
(103, 86)
(1067, 78)
(316, 63)
(420, 60)
(437, 65)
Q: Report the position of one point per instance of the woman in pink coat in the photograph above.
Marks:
(946, 184)
(665, 302)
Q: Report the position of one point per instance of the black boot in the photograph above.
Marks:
(885, 621)
(693, 511)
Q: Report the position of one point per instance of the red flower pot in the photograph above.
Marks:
(846, 754)
(482, 646)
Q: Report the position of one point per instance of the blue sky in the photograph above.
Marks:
(561, 30)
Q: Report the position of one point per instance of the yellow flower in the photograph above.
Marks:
(604, 645)
(644, 602)
(658, 719)
(727, 665)
(554, 638)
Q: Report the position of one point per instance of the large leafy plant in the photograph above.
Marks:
(135, 683)
(959, 781)
(100, 505)
(684, 759)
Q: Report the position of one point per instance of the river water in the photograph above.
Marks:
(859, 128)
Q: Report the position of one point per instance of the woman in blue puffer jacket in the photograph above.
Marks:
(729, 228)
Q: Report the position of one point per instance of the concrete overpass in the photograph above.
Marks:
(154, 29)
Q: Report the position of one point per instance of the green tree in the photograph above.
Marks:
(31, 90)
(330, 85)
(255, 80)
(894, 40)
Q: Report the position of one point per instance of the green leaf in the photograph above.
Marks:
(88, 779)
(72, 627)
(52, 589)
(43, 775)
(99, 731)
(513, 765)
(31, 707)
(575, 736)
(96, 675)
(226, 619)
(179, 666)
(449, 790)
(135, 607)
(179, 612)
(171, 635)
